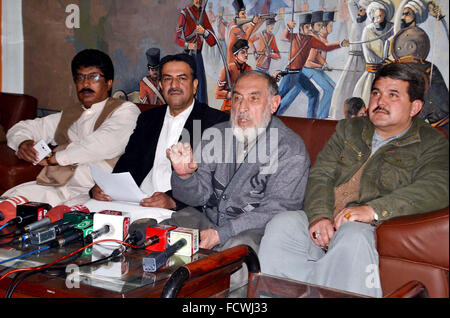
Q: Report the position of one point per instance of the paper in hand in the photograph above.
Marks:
(119, 186)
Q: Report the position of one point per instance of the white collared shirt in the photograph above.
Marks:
(158, 179)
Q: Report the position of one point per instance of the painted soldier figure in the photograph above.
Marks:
(149, 92)
(193, 27)
(240, 28)
(296, 81)
(267, 47)
(237, 67)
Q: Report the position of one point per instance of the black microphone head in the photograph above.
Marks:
(138, 229)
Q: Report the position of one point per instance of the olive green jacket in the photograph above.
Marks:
(409, 175)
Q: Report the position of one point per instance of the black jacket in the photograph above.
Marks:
(140, 151)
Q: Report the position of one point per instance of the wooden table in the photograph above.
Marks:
(120, 279)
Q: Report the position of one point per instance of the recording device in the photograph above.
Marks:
(118, 225)
(97, 233)
(160, 231)
(8, 209)
(49, 234)
(40, 209)
(155, 260)
(190, 235)
(138, 231)
(42, 149)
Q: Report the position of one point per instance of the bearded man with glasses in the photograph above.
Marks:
(95, 130)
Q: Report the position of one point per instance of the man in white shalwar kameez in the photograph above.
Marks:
(97, 134)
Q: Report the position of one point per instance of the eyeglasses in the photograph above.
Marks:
(92, 77)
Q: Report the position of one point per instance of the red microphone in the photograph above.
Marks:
(8, 208)
(80, 208)
(55, 214)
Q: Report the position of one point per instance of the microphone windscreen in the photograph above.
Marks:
(8, 208)
(80, 208)
(57, 213)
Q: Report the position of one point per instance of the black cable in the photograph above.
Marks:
(61, 267)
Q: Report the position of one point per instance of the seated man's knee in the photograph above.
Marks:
(353, 233)
(285, 222)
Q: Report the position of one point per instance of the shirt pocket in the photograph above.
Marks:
(350, 155)
(397, 169)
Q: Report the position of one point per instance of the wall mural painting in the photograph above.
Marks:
(323, 53)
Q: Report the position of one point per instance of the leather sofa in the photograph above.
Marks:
(410, 248)
(14, 108)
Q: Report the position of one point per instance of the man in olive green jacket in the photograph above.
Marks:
(374, 168)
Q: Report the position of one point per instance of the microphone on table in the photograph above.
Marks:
(54, 215)
(155, 260)
(8, 208)
(138, 231)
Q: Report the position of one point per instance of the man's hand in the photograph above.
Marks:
(159, 200)
(27, 152)
(321, 232)
(199, 29)
(98, 194)
(363, 213)
(192, 46)
(182, 160)
(345, 43)
(291, 24)
(209, 238)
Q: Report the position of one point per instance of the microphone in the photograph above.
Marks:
(118, 224)
(53, 215)
(95, 234)
(47, 235)
(8, 208)
(161, 231)
(138, 231)
(155, 260)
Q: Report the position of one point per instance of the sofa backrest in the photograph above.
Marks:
(16, 107)
(314, 132)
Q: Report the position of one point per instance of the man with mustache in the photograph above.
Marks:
(375, 44)
(95, 130)
(373, 168)
(250, 168)
(159, 128)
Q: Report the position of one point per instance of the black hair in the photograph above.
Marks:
(95, 58)
(354, 105)
(402, 71)
(181, 57)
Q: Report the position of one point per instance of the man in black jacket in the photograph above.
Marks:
(159, 128)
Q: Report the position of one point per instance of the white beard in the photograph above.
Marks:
(250, 133)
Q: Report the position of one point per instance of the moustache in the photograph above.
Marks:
(85, 90)
(382, 109)
(175, 90)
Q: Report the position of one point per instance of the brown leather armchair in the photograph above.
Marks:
(14, 108)
(415, 247)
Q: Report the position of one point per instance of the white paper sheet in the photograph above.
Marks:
(133, 210)
(119, 186)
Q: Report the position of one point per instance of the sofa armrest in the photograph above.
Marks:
(420, 238)
(413, 289)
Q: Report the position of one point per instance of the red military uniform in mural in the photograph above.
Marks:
(187, 23)
(190, 32)
(239, 66)
(267, 47)
(149, 92)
